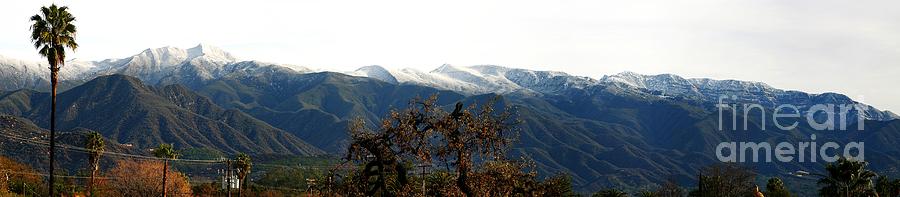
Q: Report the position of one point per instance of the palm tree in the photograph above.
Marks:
(94, 142)
(887, 187)
(167, 152)
(847, 178)
(243, 164)
(51, 33)
(775, 188)
(610, 193)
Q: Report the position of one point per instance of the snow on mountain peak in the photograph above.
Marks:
(203, 62)
(211, 53)
(375, 72)
(159, 57)
(710, 90)
(172, 56)
(478, 79)
(677, 84)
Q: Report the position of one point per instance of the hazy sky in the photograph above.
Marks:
(851, 47)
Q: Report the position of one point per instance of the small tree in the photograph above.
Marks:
(610, 193)
(775, 188)
(26, 183)
(725, 179)
(847, 178)
(242, 163)
(167, 152)
(670, 189)
(94, 142)
(557, 185)
(645, 193)
(887, 187)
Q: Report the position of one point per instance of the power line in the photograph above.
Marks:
(47, 175)
(84, 150)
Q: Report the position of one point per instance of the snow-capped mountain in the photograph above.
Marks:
(744, 92)
(17, 74)
(479, 79)
(166, 65)
(193, 66)
(482, 79)
(152, 65)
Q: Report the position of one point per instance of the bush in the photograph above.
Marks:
(144, 178)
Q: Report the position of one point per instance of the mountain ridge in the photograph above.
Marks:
(202, 63)
(125, 110)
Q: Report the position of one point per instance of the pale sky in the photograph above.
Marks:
(850, 47)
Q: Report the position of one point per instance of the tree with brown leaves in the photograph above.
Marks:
(141, 178)
(423, 133)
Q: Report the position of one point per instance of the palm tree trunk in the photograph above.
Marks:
(90, 187)
(165, 174)
(54, 69)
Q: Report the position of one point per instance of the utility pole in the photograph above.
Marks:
(165, 175)
(228, 176)
(423, 178)
(240, 190)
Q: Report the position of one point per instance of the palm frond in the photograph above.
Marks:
(52, 32)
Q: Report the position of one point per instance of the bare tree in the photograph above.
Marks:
(725, 179)
(670, 189)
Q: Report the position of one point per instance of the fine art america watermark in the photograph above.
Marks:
(786, 118)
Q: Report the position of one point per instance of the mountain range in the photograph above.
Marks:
(195, 66)
(622, 130)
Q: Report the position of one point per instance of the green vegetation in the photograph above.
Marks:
(775, 188)
(887, 187)
(725, 179)
(424, 133)
(298, 161)
(21, 180)
(292, 178)
(610, 193)
(147, 115)
(201, 153)
(847, 178)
